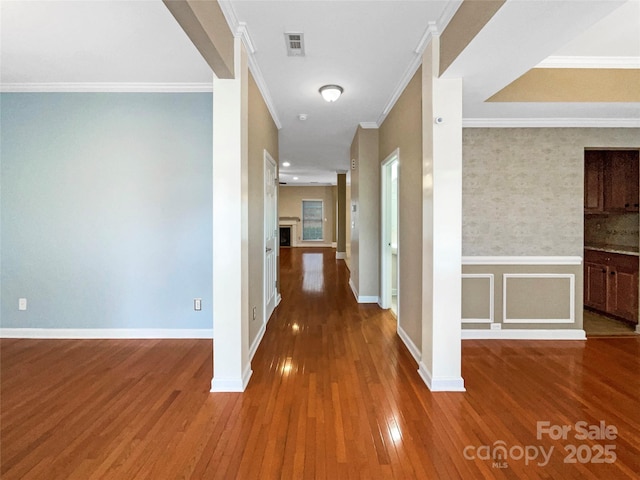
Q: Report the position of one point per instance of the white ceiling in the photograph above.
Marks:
(368, 47)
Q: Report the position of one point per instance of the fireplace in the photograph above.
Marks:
(285, 236)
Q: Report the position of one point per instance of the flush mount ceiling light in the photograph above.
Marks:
(286, 164)
(331, 93)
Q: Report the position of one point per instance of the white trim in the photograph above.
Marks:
(491, 297)
(433, 28)
(413, 350)
(519, 334)
(361, 298)
(559, 61)
(354, 290)
(551, 123)
(334, 244)
(400, 87)
(257, 341)
(386, 252)
(367, 125)
(232, 384)
(107, 87)
(638, 329)
(572, 294)
(341, 255)
(441, 384)
(106, 333)
(521, 260)
(241, 30)
(278, 300)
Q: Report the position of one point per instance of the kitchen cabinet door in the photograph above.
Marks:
(595, 286)
(622, 281)
(620, 171)
(593, 182)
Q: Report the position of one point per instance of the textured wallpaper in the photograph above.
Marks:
(522, 188)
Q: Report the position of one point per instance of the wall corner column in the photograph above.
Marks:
(440, 365)
(231, 363)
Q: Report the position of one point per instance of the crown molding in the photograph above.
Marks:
(240, 29)
(447, 14)
(551, 123)
(433, 28)
(590, 62)
(106, 87)
(367, 125)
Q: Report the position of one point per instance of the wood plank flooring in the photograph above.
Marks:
(334, 394)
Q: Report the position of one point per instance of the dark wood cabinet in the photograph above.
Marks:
(611, 181)
(611, 283)
(593, 182)
(595, 286)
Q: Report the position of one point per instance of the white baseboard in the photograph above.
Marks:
(256, 341)
(638, 328)
(232, 384)
(513, 334)
(334, 244)
(278, 300)
(341, 255)
(441, 384)
(106, 333)
(413, 350)
(362, 298)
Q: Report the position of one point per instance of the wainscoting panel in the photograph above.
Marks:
(478, 295)
(538, 298)
(525, 293)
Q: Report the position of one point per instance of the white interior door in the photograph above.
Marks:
(270, 235)
(389, 240)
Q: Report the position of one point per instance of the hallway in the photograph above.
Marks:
(334, 394)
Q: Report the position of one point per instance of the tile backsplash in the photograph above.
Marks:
(621, 229)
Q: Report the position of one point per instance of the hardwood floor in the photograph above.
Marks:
(334, 394)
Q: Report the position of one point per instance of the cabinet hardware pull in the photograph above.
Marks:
(613, 273)
(626, 205)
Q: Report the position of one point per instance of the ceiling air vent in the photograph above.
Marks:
(295, 44)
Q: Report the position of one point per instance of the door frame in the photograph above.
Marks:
(269, 161)
(386, 286)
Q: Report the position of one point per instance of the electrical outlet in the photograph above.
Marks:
(254, 313)
(496, 326)
(197, 304)
(22, 304)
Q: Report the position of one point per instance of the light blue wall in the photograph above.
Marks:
(106, 210)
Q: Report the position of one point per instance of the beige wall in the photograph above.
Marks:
(403, 129)
(522, 191)
(263, 134)
(365, 195)
(290, 205)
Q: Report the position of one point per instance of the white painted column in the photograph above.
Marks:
(231, 364)
(440, 365)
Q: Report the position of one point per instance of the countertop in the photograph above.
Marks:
(614, 249)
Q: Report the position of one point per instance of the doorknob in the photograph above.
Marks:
(268, 250)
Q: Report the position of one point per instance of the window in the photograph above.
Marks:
(312, 220)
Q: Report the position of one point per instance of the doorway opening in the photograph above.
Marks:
(390, 251)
